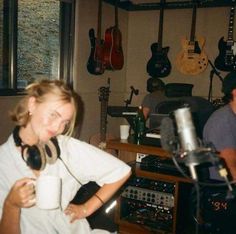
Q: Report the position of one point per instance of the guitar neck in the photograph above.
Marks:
(116, 14)
(193, 27)
(103, 120)
(103, 98)
(231, 23)
(99, 20)
(160, 32)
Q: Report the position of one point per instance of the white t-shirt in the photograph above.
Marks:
(85, 162)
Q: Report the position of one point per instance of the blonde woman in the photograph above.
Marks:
(45, 118)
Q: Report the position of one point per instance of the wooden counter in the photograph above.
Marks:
(123, 145)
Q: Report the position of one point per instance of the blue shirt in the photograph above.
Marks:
(220, 129)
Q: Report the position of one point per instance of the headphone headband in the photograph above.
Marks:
(36, 156)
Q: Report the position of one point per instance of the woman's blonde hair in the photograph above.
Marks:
(40, 90)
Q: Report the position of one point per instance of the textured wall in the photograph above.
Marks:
(139, 30)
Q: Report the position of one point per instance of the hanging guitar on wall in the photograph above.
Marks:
(113, 53)
(95, 64)
(192, 60)
(100, 139)
(159, 65)
(226, 60)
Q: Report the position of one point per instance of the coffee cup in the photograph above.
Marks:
(48, 192)
(124, 131)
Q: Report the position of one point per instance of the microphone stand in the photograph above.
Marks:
(213, 71)
(133, 91)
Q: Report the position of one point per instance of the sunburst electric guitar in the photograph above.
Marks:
(192, 60)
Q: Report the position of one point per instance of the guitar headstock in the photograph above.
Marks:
(104, 94)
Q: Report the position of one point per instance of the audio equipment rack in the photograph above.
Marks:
(151, 202)
(148, 202)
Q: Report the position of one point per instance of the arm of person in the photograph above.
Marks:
(96, 201)
(229, 155)
(146, 111)
(21, 195)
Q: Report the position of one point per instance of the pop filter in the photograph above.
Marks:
(168, 138)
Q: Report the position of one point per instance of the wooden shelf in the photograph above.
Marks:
(131, 228)
(131, 147)
(160, 176)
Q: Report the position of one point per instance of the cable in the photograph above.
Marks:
(77, 180)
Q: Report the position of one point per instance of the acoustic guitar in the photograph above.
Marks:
(226, 60)
(113, 53)
(95, 64)
(100, 139)
(192, 60)
(159, 65)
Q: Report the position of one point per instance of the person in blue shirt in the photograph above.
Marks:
(220, 129)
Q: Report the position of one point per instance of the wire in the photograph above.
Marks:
(197, 218)
(77, 180)
(211, 184)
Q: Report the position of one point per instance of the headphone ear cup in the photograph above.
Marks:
(52, 151)
(34, 157)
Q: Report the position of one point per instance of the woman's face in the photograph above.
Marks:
(50, 118)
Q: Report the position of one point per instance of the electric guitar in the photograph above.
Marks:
(226, 60)
(192, 60)
(100, 139)
(159, 65)
(95, 64)
(113, 53)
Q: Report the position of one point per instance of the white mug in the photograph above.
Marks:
(124, 131)
(48, 192)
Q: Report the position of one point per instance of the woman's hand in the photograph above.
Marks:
(22, 194)
(76, 212)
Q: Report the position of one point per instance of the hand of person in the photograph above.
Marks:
(22, 194)
(76, 212)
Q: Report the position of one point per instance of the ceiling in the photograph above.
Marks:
(137, 5)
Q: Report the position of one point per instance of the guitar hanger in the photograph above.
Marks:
(213, 71)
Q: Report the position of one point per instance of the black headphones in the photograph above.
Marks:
(36, 156)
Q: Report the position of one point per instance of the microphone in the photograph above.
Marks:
(195, 154)
(186, 129)
(192, 152)
(187, 135)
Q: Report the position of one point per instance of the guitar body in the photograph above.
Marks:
(159, 65)
(95, 64)
(192, 60)
(226, 60)
(113, 53)
(97, 141)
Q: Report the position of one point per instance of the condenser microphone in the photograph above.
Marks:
(188, 137)
(193, 152)
(186, 129)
